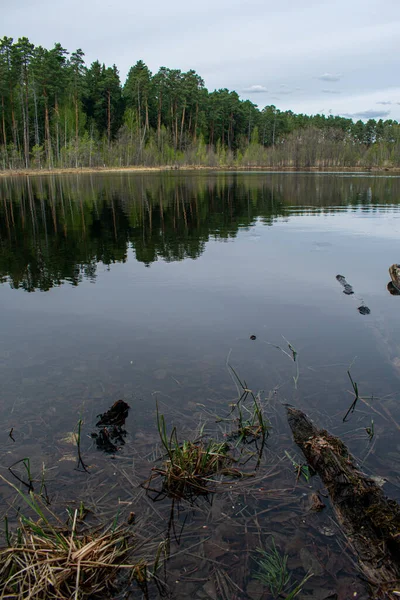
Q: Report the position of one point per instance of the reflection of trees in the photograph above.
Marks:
(57, 229)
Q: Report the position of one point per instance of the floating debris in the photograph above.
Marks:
(348, 289)
(316, 503)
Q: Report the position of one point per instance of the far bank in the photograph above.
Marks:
(185, 168)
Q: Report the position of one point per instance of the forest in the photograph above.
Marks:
(57, 112)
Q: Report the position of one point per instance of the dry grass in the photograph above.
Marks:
(48, 559)
(146, 169)
(47, 562)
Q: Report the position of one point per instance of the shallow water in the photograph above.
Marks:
(142, 286)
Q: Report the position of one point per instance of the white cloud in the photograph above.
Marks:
(330, 77)
(255, 89)
(385, 102)
(331, 92)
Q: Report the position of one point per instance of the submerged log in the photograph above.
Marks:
(369, 520)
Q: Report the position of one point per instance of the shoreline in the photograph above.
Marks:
(186, 168)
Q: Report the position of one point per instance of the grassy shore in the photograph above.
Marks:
(143, 169)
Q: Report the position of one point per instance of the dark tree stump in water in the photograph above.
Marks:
(116, 415)
(111, 435)
(369, 520)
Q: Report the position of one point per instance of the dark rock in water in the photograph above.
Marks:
(348, 290)
(253, 337)
(111, 435)
(363, 310)
(394, 272)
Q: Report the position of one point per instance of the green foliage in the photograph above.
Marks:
(272, 570)
(300, 468)
(189, 466)
(49, 100)
(274, 574)
(250, 424)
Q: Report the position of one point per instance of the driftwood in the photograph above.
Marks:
(394, 272)
(369, 520)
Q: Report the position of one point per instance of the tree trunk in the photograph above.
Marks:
(159, 118)
(3, 125)
(14, 125)
(182, 125)
(147, 114)
(76, 131)
(109, 117)
(57, 115)
(37, 138)
(76, 119)
(195, 122)
(26, 125)
(47, 131)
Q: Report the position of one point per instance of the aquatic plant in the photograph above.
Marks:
(274, 574)
(253, 427)
(188, 466)
(357, 397)
(272, 569)
(301, 468)
(292, 355)
(27, 467)
(78, 436)
(370, 430)
(251, 423)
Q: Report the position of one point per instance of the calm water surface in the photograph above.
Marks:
(139, 286)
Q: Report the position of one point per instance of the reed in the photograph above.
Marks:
(274, 574)
(251, 423)
(189, 466)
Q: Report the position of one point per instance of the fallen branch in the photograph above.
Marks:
(369, 520)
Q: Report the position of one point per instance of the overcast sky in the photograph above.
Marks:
(309, 56)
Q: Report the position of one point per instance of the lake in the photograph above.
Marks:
(147, 287)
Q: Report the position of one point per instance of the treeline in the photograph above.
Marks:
(55, 112)
(55, 230)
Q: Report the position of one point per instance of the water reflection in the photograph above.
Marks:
(70, 354)
(56, 230)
